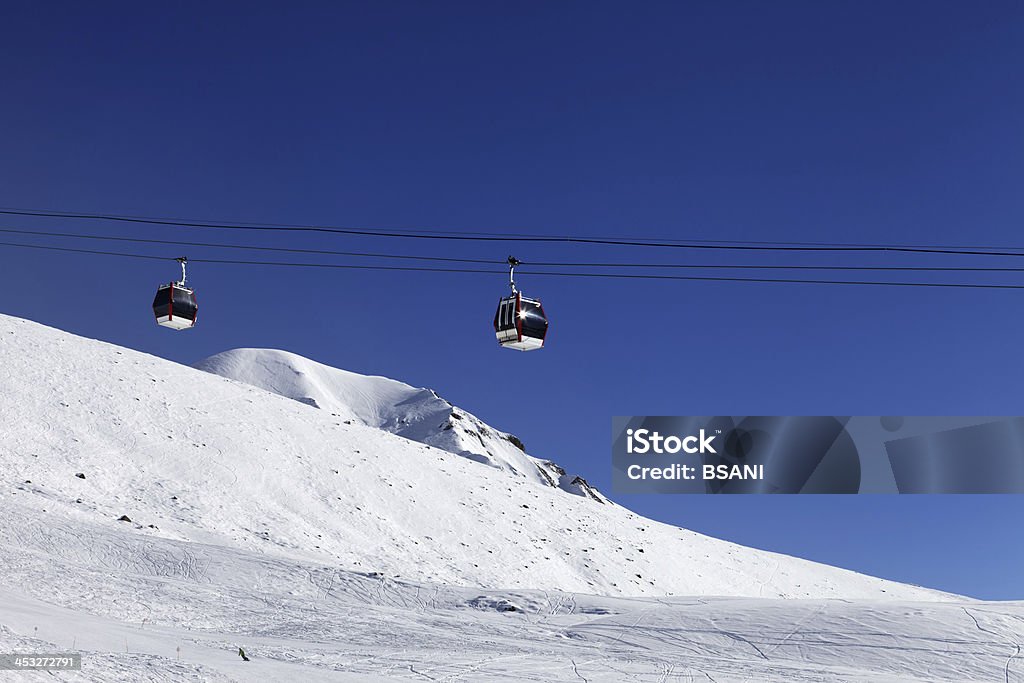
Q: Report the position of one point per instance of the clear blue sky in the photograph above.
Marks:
(866, 122)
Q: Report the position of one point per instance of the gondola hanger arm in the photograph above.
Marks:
(512, 263)
(182, 260)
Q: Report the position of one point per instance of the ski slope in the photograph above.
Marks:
(156, 518)
(133, 605)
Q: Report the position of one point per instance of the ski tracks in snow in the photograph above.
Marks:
(1012, 643)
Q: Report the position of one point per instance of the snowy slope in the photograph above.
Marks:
(416, 414)
(145, 608)
(336, 552)
(191, 456)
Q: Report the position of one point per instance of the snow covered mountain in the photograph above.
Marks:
(155, 518)
(417, 414)
(191, 456)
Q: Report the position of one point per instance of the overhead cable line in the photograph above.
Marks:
(51, 213)
(218, 245)
(629, 276)
(568, 239)
(545, 264)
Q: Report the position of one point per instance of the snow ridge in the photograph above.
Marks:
(416, 414)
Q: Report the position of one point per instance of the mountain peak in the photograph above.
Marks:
(418, 414)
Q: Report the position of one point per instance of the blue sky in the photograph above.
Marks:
(857, 122)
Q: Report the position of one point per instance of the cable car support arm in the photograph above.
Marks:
(512, 263)
(182, 260)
